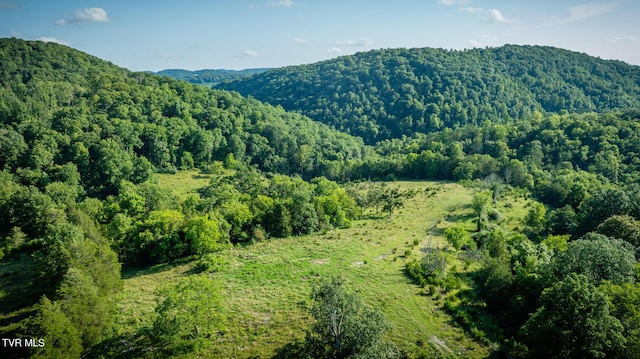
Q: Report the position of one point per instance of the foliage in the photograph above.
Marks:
(431, 269)
(574, 321)
(597, 258)
(344, 327)
(388, 93)
(188, 310)
(60, 335)
(457, 237)
(623, 227)
(625, 306)
(204, 235)
(480, 206)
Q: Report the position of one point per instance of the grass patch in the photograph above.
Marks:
(184, 183)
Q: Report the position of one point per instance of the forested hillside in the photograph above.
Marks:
(244, 229)
(392, 92)
(209, 77)
(80, 140)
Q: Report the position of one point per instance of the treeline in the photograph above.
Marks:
(146, 224)
(529, 152)
(388, 93)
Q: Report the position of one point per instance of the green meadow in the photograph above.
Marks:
(266, 285)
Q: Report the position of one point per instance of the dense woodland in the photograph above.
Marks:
(393, 92)
(81, 138)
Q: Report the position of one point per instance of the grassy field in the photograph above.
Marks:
(266, 286)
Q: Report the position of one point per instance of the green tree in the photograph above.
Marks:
(204, 235)
(88, 310)
(457, 237)
(622, 227)
(394, 199)
(625, 300)
(535, 220)
(480, 205)
(598, 258)
(574, 321)
(160, 237)
(344, 327)
(190, 309)
(60, 335)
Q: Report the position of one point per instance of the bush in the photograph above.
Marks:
(211, 263)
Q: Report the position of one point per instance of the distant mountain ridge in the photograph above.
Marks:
(388, 93)
(209, 77)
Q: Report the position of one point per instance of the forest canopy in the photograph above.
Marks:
(388, 93)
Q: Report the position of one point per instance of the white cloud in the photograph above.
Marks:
(475, 43)
(85, 16)
(281, 3)
(247, 53)
(623, 39)
(54, 40)
(453, 2)
(496, 17)
(334, 50)
(361, 42)
(299, 40)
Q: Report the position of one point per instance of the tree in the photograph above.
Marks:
(480, 206)
(344, 327)
(598, 258)
(188, 310)
(622, 227)
(88, 310)
(625, 300)
(604, 204)
(160, 236)
(457, 236)
(573, 321)
(535, 221)
(60, 335)
(393, 199)
(204, 235)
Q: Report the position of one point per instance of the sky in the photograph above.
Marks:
(153, 35)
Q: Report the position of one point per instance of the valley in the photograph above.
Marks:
(400, 203)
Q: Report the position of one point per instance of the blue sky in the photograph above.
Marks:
(237, 34)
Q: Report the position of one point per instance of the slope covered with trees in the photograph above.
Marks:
(79, 142)
(392, 92)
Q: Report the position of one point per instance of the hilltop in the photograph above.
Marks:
(388, 93)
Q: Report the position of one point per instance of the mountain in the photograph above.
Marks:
(61, 107)
(209, 77)
(388, 93)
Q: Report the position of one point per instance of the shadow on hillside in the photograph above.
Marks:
(455, 218)
(17, 287)
(291, 350)
(135, 270)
